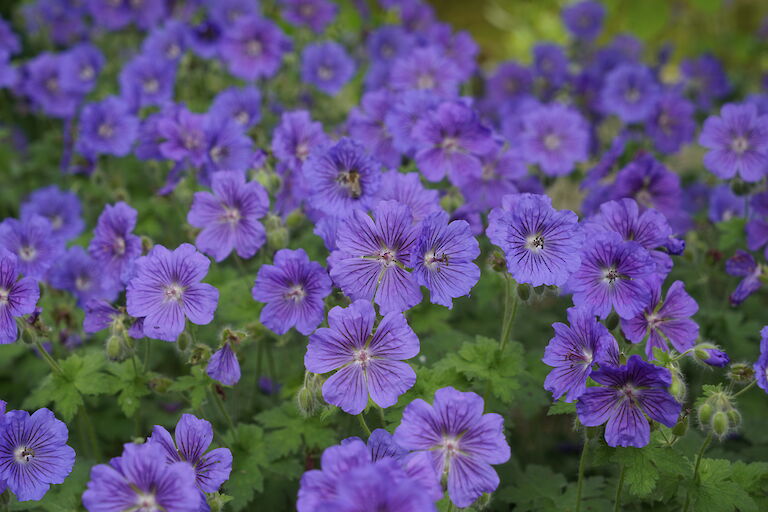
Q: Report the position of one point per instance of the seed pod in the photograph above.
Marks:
(184, 341)
(720, 424)
(734, 417)
(524, 291)
(681, 427)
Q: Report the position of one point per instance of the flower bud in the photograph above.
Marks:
(612, 321)
(451, 201)
(681, 427)
(114, 348)
(159, 384)
(741, 373)
(309, 398)
(233, 337)
(497, 262)
(184, 341)
(524, 291)
(705, 413)
(711, 355)
(483, 502)
(277, 237)
(200, 354)
(734, 418)
(146, 244)
(268, 179)
(720, 424)
(678, 388)
(217, 501)
(294, 219)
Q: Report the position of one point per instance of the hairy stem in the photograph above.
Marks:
(619, 489)
(48, 358)
(363, 424)
(582, 467)
(510, 311)
(744, 389)
(695, 478)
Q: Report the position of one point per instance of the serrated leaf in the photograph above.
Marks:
(193, 386)
(716, 491)
(287, 431)
(249, 458)
(561, 407)
(131, 384)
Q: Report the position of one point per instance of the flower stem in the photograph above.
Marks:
(582, 467)
(745, 388)
(695, 478)
(363, 424)
(223, 410)
(619, 488)
(510, 310)
(90, 432)
(48, 358)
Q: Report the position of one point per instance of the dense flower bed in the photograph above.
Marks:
(300, 254)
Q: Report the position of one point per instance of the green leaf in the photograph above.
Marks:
(717, 492)
(249, 458)
(288, 430)
(130, 382)
(193, 386)
(731, 234)
(561, 407)
(644, 466)
(481, 361)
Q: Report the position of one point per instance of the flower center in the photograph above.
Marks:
(23, 454)
(218, 153)
(173, 292)
(739, 145)
(105, 131)
(551, 141)
(151, 85)
(306, 10)
(56, 222)
(610, 275)
(629, 391)
(192, 141)
(432, 260)
(27, 253)
(387, 257)
(302, 151)
(324, 73)
(450, 144)
(4, 294)
(118, 246)
(534, 242)
(361, 357)
(52, 84)
(232, 215)
(173, 51)
(425, 81)
(87, 73)
(254, 48)
(351, 181)
(450, 446)
(653, 320)
(242, 117)
(632, 95)
(146, 502)
(296, 293)
(82, 283)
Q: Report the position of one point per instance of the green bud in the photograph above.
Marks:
(681, 427)
(28, 336)
(146, 244)
(305, 401)
(612, 321)
(269, 179)
(200, 354)
(114, 348)
(451, 201)
(678, 388)
(524, 291)
(277, 238)
(184, 341)
(734, 417)
(497, 262)
(705, 413)
(217, 501)
(294, 219)
(232, 337)
(483, 502)
(720, 424)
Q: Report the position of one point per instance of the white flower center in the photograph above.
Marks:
(23, 454)
(105, 131)
(450, 144)
(534, 242)
(27, 253)
(324, 73)
(82, 283)
(302, 151)
(146, 502)
(151, 86)
(361, 357)
(351, 181)
(551, 141)
(387, 257)
(433, 261)
(450, 446)
(56, 222)
(4, 294)
(87, 73)
(242, 117)
(231, 215)
(254, 48)
(632, 95)
(425, 81)
(611, 275)
(739, 145)
(119, 246)
(296, 293)
(173, 292)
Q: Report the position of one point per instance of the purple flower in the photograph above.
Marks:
(226, 12)
(142, 479)
(742, 264)
(541, 244)
(114, 247)
(17, 296)
(630, 92)
(631, 392)
(715, 357)
(509, 83)
(315, 14)
(80, 68)
(649, 228)
(241, 104)
(651, 184)
(737, 143)
(146, 80)
(555, 137)
(184, 137)
(724, 205)
(295, 137)
(229, 148)
(107, 127)
(502, 168)
(408, 477)
(253, 48)
(223, 366)
(34, 453)
(76, 272)
(229, 216)
(574, 351)
(761, 365)
(327, 66)
(367, 125)
(166, 289)
(62, 208)
(99, 314)
(550, 63)
(406, 188)
(706, 79)
(42, 84)
(342, 178)
(663, 322)
(672, 123)
(614, 273)
(368, 362)
(409, 108)
(584, 20)
(112, 15)
(294, 289)
(442, 258)
(426, 69)
(448, 141)
(167, 42)
(205, 38)
(32, 242)
(193, 437)
(369, 263)
(461, 440)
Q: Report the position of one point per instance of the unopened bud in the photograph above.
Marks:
(612, 322)
(524, 291)
(741, 373)
(294, 219)
(681, 427)
(483, 502)
(184, 341)
(268, 179)
(277, 238)
(734, 418)
(711, 355)
(678, 388)
(497, 262)
(306, 402)
(451, 201)
(720, 424)
(115, 348)
(146, 244)
(160, 384)
(705, 413)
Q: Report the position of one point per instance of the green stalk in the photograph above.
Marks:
(695, 478)
(582, 467)
(744, 389)
(363, 424)
(619, 489)
(48, 358)
(510, 311)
